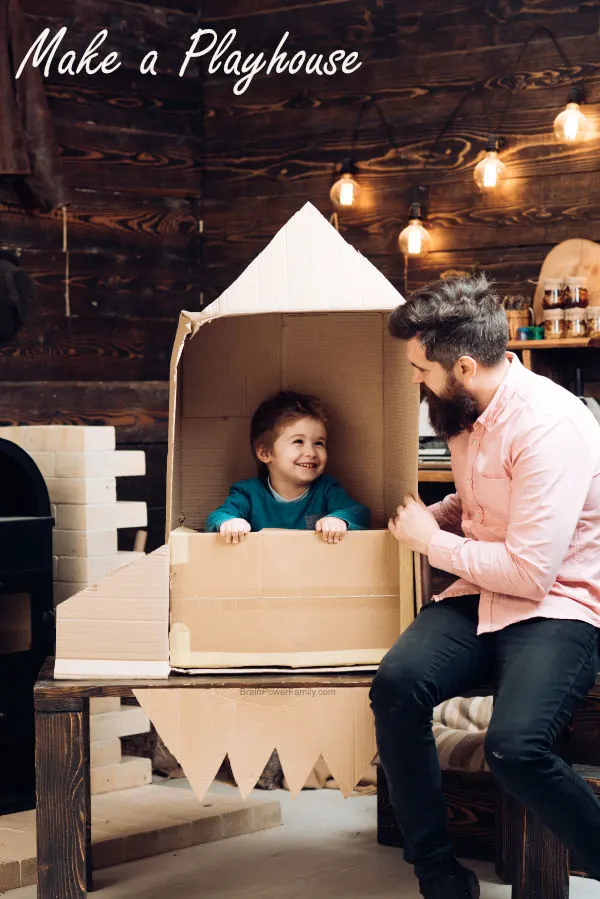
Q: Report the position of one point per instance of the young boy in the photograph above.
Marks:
(289, 439)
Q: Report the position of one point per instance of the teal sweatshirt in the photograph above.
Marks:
(254, 501)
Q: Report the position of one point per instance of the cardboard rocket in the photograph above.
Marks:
(308, 314)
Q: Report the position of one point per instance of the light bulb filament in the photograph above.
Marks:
(414, 240)
(571, 125)
(490, 175)
(347, 193)
(489, 171)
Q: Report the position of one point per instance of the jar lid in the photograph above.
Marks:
(552, 283)
(554, 314)
(575, 314)
(579, 281)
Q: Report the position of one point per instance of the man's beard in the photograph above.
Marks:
(453, 412)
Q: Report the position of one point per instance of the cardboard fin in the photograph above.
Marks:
(296, 767)
(248, 762)
(163, 709)
(267, 718)
(107, 621)
(200, 727)
(193, 725)
(348, 741)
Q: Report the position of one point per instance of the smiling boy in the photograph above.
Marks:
(288, 435)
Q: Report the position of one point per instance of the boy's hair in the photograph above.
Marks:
(279, 410)
(453, 318)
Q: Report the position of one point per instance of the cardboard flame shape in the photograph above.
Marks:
(201, 726)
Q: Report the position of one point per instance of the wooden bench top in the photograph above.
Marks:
(48, 690)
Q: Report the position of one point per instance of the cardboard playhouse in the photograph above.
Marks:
(308, 314)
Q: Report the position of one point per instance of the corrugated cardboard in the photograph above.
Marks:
(288, 599)
(118, 627)
(310, 313)
(345, 358)
(201, 726)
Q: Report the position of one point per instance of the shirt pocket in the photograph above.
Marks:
(493, 495)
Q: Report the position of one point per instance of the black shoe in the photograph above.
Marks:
(461, 885)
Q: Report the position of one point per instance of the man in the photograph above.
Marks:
(522, 532)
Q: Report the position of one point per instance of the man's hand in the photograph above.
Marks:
(413, 525)
(234, 530)
(332, 529)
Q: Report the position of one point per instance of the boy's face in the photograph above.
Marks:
(298, 455)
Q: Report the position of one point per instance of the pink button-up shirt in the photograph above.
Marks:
(523, 528)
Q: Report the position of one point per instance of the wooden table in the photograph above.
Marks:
(63, 764)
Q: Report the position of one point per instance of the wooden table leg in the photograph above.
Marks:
(63, 797)
(88, 796)
(506, 821)
(540, 868)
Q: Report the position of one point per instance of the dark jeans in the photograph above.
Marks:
(544, 668)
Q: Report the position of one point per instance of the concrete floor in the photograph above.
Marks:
(326, 848)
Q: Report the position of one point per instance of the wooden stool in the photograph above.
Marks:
(527, 854)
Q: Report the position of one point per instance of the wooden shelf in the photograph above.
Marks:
(553, 344)
(435, 476)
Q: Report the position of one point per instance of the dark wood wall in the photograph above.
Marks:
(274, 147)
(141, 176)
(131, 150)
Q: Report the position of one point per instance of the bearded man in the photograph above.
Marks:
(522, 533)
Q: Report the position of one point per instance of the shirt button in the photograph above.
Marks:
(469, 482)
(475, 442)
(479, 516)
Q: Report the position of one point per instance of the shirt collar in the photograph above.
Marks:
(504, 392)
(281, 499)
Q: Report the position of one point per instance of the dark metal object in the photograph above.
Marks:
(25, 590)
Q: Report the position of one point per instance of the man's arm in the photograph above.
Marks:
(448, 513)
(552, 469)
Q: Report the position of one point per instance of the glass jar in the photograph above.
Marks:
(552, 294)
(554, 324)
(575, 322)
(575, 293)
(593, 321)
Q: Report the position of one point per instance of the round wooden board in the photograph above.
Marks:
(571, 257)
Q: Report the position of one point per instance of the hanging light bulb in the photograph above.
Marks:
(571, 125)
(345, 191)
(414, 240)
(489, 172)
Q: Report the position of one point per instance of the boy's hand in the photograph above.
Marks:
(234, 530)
(413, 525)
(333, 529)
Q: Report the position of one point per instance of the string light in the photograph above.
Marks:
(345, 191)
(489, 172)
(571, 125)
(414, 240)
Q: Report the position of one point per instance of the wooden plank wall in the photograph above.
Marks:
(131, 149)
(275, 146)
(133, 154)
